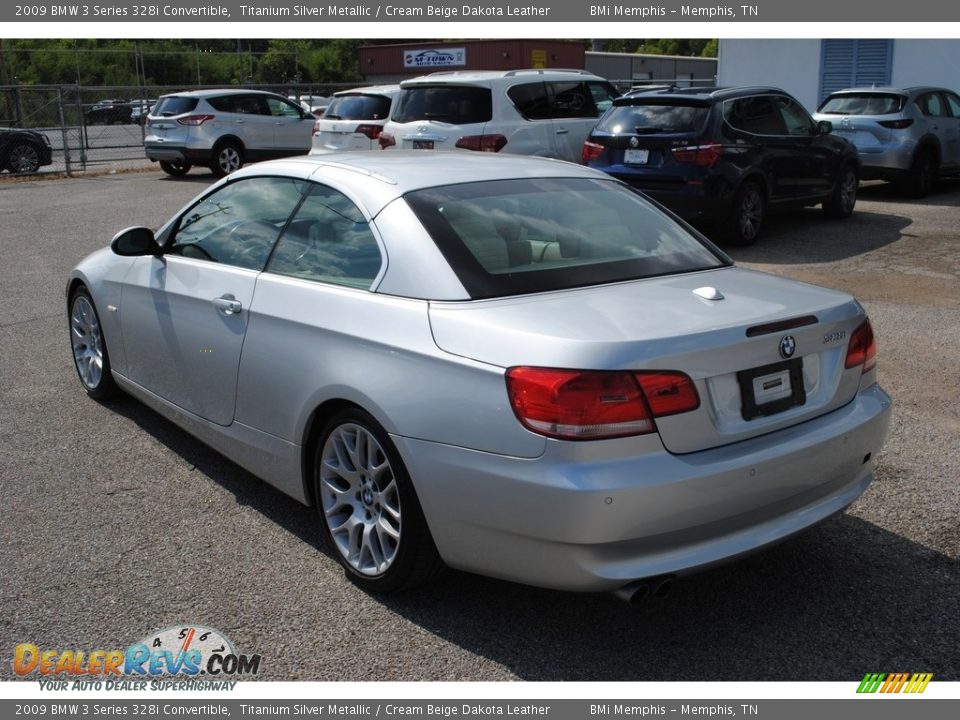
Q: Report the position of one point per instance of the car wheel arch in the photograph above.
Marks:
(312, 433)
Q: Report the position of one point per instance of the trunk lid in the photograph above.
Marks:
(731, 347)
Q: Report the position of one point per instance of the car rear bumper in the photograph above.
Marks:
(886, 162)
(179, 153)
(597, 516)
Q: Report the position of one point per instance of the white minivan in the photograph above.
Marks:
(529, 112)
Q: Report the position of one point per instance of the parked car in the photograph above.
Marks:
(24, 151)
(140, 109)
(551, 381)
(723, 158)
(910, 136)
(528, 112)
(109, 112)
(313, 104)
(354, 119)
(224, 129)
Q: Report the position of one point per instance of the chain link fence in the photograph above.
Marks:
(102, 128)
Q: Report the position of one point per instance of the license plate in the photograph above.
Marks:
(423, 144)
(771, 389)
(636, 157)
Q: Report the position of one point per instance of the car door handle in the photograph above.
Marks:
(228, 305)
(239, 122)
(562, 131)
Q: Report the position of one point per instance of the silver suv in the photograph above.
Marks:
(354, 119)
(223, 129)
(529, 112)
(909, 135)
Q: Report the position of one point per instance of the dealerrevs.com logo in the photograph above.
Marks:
(184, 650)
(895, 682)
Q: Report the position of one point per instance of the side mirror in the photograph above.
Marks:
(134, 242)
(824, 127)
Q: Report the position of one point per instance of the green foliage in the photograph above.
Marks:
(665, 46)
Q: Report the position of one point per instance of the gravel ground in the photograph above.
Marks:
(116, 523)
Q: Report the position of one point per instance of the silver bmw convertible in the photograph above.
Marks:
(513, 366)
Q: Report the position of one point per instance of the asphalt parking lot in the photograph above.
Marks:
(115, 523)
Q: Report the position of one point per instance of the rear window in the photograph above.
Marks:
(173, 105)
(863, 104)
(453, 104)
(654, 119)
(358, 107)
(510, 237)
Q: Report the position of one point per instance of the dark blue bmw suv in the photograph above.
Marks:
(722, 158)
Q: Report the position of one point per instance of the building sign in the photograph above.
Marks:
(433, 58)
(538, 58)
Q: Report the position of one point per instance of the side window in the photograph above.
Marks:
(571, 100)
(954, 103)
(223, 104)
(531, 100)
(931, 105)
(795, 118)
(328, 240)
(757, 115)
(603, 95)
(249, 105)
(239, 223)
(281, 108)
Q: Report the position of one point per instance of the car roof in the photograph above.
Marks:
(700, 92)
(378, 178)
(915, 89)
(486, 76)
(222, 91)
(370, 90)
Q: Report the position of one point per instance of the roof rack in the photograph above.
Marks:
(541, 71)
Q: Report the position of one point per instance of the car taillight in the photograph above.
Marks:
(590, 151)
(700, 155)
(482, 143)
(594, 405)
(386, 140)
(316, 128)
(371, 131)
(862, 349)
(195, 119)
(896, 124)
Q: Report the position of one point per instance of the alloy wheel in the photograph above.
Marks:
(87, 342)
(24, 159)
(360, 499)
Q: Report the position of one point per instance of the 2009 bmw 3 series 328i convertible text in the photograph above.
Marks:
(514, 366)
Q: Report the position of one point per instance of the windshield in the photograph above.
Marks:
(863, 104)
(358, 107)
(510, 237)
(653, 119)
(453, 104)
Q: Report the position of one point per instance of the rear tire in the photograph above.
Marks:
(843, 198)
(227, 158)
(371, 517)
(743, 224)
(923, 175)
(175, 168)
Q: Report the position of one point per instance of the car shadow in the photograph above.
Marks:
(197, 178)
(805, 236)
(945, 193)
(844, 598)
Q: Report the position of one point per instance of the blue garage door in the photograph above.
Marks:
(854, 63)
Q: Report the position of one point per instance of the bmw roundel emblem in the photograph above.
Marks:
(634, 142)
(787, 346)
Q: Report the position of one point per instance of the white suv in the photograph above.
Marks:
(528, 112)
(354, 119)
(223, 129)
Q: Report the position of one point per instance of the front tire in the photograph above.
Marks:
(175, 168)
(743, 224)
(23, 158)
(90, 356)
(842, 200)
(369, 511)
(227, 158)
